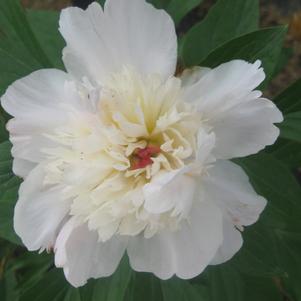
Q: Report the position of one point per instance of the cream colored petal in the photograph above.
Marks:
(127, 33)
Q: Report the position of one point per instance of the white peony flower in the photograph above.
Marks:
(120, 155)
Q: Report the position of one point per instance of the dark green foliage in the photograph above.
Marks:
(225, 21)
(264, 45)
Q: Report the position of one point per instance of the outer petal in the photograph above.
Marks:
(39, 212)
(223, 86)
(246, 129)
(36, 103)
(22, 167)
(82, 256)
(228, 186)
(127, 33)
(241, 120)
(232, 242)
(186, 252)
(35, 92)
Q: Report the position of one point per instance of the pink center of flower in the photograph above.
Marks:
(143, 156)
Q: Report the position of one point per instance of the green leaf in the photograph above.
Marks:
(288, 251)
(289, 100)
(179, 8)
(40, 284)
(225, 284)
(264, 45)
(16, 59)
(104, 289)
(17, 18)
(144, 286)
(120, 279)
(284, 57)
(181, 290)
(52, 287)
(288, 148)
(288, 152)
(226, 20)
(101, 2)
(3, 131)
(9, 185)
(160, 4)
(255, 257)
(7, 204)
(38, 280)
(8, 287)
(73, 295)
(274, 180)
(290, 128)
(8, 279)
(30, 268)
(261, 289)
(45, 27)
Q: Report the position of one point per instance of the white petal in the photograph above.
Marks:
(224, 85)
(35, 92)
(127, 33)
(170, 190)
(241, 121)
(206, 143)
(22, 167)
(39, 212)
(35, 102)
(246, 129)
(192, 75)
(82, 256)
(232, 242)
(63, 236)
(186, 252)
(228, 186)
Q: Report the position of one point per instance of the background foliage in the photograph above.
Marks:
(268, 267)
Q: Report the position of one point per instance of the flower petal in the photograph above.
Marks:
(31, 94)
(22, 167)
(206, 143)
(127, 33)
(35, 103)
(82, 256)
(225, 85)
(186, 252)
(246, 129)
(170, 190)
(231, 244)
(241, 120)
(39, 212)
(192, 75)
(228, 186)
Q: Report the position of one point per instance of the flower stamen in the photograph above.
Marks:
(142, 157)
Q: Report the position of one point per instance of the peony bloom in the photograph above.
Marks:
(120, 155)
